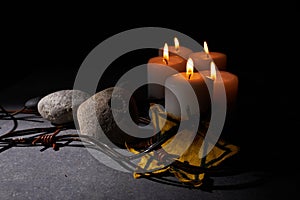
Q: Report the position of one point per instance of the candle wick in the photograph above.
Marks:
(166, 61)
(190, 76)
(207, 55)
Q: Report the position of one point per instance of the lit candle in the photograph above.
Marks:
(177, 49)
(224, 79)
(202, 59)
(181, 90)
(158, 70)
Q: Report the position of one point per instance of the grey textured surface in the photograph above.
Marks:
(76, 173)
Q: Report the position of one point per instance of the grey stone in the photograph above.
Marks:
(58, 107)
(97, 117)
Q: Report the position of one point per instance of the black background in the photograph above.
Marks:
(257, 40)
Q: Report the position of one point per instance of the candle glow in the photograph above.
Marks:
(189, 68)
(166, 54)
(206, 47)
(213, 73)
(176, 43)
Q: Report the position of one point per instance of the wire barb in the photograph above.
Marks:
(48, 140)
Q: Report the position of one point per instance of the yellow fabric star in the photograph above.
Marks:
(185, 148)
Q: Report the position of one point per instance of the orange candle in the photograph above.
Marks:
(158, 69)
(229, 82)
(187, 93)
(203, 59)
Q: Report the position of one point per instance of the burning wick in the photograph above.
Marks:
(166, 61)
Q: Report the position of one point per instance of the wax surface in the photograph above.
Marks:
(202, 60)
(180, 98)
(176, 62)
(220, 59)
(182, 51)
(158, 71)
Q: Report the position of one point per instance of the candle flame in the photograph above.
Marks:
(166, 53)
(213, 73)
(189, 67)
(176, 42)
(205, 47)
